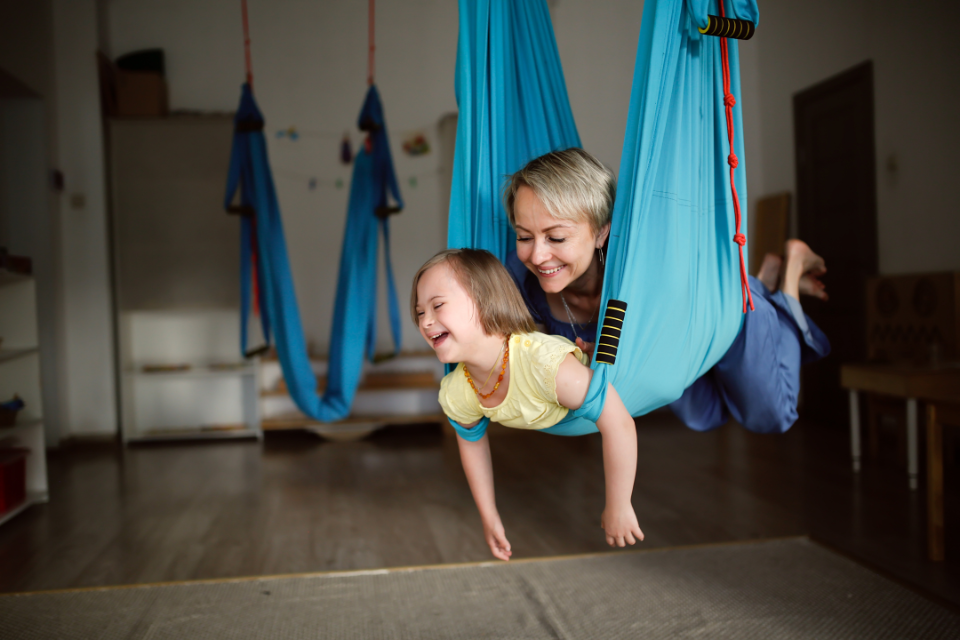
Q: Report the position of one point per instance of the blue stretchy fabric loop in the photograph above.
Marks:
(671, 251)
(354, 321)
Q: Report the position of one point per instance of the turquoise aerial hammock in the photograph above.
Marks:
(672, 253)
(353, 333)
(264, 265)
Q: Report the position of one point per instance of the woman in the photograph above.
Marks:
(560, 206)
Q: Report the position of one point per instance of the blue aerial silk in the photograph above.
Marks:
(671, 253)
(354, 320)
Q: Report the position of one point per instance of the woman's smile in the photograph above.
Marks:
(549, 272)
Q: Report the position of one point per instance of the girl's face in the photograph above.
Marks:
(556, 251)
(447, 316)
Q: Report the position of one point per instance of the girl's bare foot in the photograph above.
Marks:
(769, 273)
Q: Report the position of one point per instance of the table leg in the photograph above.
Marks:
(913, 465)
(935, 542)
(855, 428)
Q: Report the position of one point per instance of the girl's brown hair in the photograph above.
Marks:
(500, 306)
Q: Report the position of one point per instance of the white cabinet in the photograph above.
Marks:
(20, 375)
(176, 269)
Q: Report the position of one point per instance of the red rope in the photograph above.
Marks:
(370, 35)
(728, 102)
(246, 43)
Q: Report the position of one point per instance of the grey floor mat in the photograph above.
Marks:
(775, 589)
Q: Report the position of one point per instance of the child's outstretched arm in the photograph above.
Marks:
(619, 432)
(478, 467)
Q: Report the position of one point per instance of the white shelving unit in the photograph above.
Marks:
(216, 396)
(20, 375)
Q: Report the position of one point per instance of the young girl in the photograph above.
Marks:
(470, 312)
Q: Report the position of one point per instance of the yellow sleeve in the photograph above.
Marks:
(546, 355)
(457, 404)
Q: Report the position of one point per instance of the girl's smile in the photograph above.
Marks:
(448, 320)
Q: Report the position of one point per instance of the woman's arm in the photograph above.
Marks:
(478, 467)
(619, 450)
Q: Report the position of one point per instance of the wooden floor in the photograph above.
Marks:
(296, 503)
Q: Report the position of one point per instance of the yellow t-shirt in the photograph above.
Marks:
(531, 401)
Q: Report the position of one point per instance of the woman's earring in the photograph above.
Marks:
(601, 256)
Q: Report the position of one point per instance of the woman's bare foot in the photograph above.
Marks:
(769, 273)
(810, 285)
(802, 265)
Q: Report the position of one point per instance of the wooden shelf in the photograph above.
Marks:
(272, 357)
(20, 427)
(373, 382)
(195, 372)
(13, 354)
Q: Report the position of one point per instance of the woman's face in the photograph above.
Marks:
(556, 251)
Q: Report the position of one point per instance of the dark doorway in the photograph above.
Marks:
(837, 215)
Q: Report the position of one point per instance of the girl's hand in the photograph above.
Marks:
(621, 526)
(586, 347)
(497, 540)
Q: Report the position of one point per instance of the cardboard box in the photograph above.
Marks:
(140, 93)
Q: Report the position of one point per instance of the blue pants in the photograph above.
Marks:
(758, 379)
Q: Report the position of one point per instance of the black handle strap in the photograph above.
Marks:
(606, 350)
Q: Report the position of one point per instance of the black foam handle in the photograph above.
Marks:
(606, 349)
(729, 28)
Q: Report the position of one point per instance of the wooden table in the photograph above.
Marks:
(930, 384)
(938, 415)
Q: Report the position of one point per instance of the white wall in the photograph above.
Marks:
(598, 47)
(916, 93)
(88, 361)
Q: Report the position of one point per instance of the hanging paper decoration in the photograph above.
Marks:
(416, 145)
(346, 149)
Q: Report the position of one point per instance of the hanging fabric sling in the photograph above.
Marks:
(676, 240)
(353, 333)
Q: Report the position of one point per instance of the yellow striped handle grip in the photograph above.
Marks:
(606, 349)
(728, 28)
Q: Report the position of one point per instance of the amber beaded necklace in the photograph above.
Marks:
(503, 368)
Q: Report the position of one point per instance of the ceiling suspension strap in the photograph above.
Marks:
(371, 32)
(246, 43)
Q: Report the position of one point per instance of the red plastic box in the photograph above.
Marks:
(13, 478)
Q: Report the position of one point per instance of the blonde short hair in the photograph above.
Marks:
(500, 306)
(572, 184)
